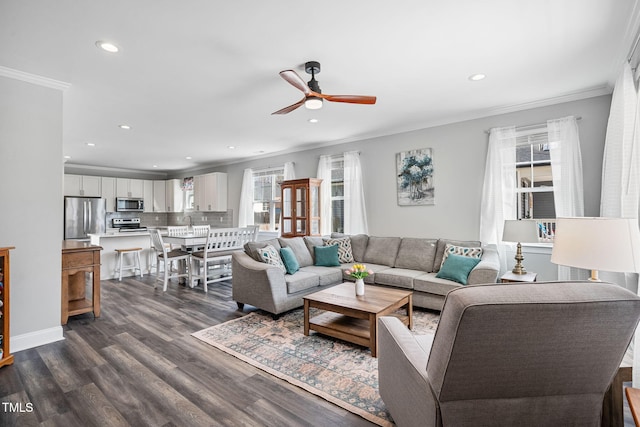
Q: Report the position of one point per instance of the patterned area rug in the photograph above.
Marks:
(342, 373)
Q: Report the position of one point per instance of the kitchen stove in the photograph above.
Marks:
(127, 224)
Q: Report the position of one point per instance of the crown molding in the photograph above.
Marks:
(33, 78)
(79, 169)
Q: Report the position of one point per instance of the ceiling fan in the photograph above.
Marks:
(313, 96)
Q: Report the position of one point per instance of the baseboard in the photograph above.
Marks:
(35, 339)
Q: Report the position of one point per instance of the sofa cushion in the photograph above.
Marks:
(326, 275)
(301, 281)
(289, 260)
(326, 256)
(382, 250)
(442, 243)
(345, 254)
(397, 277)
(253, 248)
(417, 254)
(270, 255)
(428, 282)
(358, 244)
(299, 248)
(312, 241)
(470, 252)
(457, 268)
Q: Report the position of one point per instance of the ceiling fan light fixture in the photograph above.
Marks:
(313, 103)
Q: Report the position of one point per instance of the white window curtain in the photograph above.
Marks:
(620, 195)
(355, 211)
(499, 189)
(324, 173)
(245, 210)
(566, 168)
(289, 171)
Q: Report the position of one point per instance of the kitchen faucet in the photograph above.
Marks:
(190, 221)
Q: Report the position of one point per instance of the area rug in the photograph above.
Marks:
(344, 374)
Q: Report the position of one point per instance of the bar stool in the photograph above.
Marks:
(120, 253)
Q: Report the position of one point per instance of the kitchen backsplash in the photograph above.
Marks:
(153, 219)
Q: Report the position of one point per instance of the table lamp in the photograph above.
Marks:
(520, 231)
(609, 244)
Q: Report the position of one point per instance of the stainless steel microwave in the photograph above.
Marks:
(125, 204)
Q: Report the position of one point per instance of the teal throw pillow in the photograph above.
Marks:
(457, 268)
(327, 256)
(289, 260)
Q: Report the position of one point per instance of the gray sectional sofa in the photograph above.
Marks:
(407, 263)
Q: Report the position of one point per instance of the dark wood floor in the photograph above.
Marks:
(137, 365)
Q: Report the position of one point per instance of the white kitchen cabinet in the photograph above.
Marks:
(210, 192)
(126, 187)
(159, 196)
(147, 195)
(82, 185)
(174, 196)
(109, 192)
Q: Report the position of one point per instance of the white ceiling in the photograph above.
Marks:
(194, 77)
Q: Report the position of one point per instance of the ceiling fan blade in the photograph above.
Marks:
(295, 80)
(352, 99)
(290, 108)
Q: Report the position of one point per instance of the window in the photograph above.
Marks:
(337, 194)
(534, 188)
(266, 198)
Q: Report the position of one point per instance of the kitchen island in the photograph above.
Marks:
(111, 241)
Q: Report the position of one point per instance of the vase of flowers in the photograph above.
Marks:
(359, 272)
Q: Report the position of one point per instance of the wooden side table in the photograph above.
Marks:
(510, 277)
(79, 258)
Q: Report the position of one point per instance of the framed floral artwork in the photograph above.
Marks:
(415, 177)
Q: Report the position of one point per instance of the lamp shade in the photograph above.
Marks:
(521, 231)
(608, 244)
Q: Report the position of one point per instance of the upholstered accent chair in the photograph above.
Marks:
(535, 354)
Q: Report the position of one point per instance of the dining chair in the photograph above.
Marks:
(213, 262)
(168, 256)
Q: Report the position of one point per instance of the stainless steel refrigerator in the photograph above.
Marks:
(83, 215)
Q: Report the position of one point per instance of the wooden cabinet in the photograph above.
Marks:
(159, 196)
(210, 192)
(79, 260)
(109, 193)
(301, 207)
(147, 195)
(6, 358)
(126, 187)
(82, 185)
(174, 197)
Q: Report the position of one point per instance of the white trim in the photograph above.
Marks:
(33, 78)
(35, 339)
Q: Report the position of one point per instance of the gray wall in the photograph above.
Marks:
(459, 151)
(31, 214)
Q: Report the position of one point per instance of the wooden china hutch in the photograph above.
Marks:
(6, 358)
(300, 207)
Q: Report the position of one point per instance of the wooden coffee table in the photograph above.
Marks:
(355, 318)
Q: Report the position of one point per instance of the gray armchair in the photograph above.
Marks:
(540, 354)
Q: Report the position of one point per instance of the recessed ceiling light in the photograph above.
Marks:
(67, 157)
(155, 166)
(125, 127)
(231, 147)
(90, 144)
(476, 77)
(106, 46)
(188, 157)
(313, 120)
